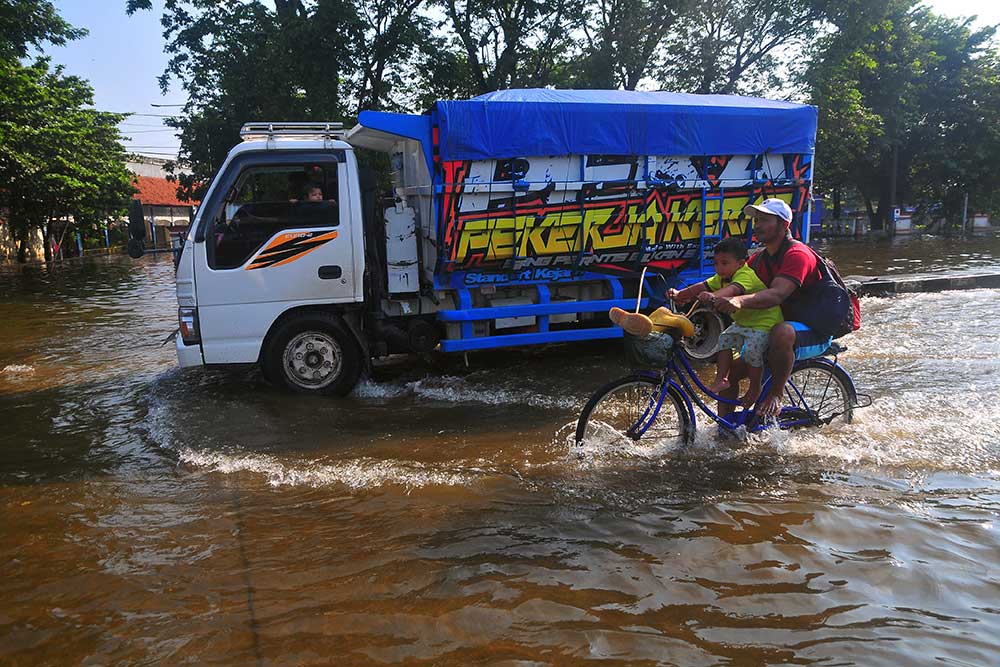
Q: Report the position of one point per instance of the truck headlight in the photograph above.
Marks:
(187, 319)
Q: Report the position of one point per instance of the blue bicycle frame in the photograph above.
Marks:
(789, 417)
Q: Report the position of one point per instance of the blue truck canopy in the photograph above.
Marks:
(539, 187)
(516, 123)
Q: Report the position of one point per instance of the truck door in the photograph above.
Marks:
(278, 235)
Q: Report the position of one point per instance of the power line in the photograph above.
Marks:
(146, 115)
(145, 152)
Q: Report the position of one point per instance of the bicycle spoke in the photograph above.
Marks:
(818, 392)
(632, 410)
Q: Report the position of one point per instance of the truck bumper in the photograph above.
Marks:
(187, 355)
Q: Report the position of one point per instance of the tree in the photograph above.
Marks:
(908, 106)
(388, 37)
(623, 38)
(319, 60)
(58, 158)
(31, 22)
(954, 147)
(513, 43)
(740, 46)
(244, 61)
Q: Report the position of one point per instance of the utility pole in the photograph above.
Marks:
(892, 190)
(965, 213)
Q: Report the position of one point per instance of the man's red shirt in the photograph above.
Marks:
(794, 261)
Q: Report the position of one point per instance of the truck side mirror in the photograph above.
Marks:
(136, 230)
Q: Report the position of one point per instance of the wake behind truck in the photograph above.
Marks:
(515, 218)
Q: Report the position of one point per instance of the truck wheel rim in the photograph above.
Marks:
(312, 360)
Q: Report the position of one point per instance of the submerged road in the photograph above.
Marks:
(437, 515)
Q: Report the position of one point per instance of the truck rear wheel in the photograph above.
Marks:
(313, 353)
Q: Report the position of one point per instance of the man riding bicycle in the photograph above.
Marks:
(788, 268)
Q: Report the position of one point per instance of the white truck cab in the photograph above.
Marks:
(261, 249)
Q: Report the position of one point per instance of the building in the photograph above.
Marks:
(168, 217)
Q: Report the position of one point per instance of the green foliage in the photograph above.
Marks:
(57, 157)
(623, 37)
(319, 60)
(244, 61)
(739, 46)
(31, 22)
(912, 98)
(513, 43)
(892, 81)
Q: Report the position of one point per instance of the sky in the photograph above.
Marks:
(123, 55)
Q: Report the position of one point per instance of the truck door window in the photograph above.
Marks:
(269, 199)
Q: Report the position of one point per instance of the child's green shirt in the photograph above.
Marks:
(763, 318)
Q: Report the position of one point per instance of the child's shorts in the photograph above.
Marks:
(751, 343)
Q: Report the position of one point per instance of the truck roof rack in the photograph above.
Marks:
(271, 131)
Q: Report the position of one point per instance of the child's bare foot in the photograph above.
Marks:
(720, 385)
(636, 324)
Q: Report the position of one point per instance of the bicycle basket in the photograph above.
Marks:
(653, 351)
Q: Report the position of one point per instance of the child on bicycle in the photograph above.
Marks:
(750, 328)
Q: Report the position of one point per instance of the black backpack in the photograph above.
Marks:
(829, 307)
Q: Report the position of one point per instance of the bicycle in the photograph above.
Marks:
(659, 404)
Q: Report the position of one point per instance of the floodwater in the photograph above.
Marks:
(438, 515)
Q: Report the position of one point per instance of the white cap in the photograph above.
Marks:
(772, 206)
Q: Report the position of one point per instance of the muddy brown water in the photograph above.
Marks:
(438, 516)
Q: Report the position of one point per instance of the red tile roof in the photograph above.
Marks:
(159, 192)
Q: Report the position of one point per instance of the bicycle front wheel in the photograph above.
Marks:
(817, 393)
(631, 409)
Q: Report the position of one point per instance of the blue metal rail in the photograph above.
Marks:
(466, 314)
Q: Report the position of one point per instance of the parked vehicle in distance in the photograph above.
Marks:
(516, 218)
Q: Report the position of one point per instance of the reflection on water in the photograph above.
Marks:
(916, 255)
(438, 515)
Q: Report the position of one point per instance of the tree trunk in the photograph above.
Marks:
(47, 241)
(836, 204)
(22, 251)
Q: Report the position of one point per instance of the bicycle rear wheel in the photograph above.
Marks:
(625, 411)
(818, 393)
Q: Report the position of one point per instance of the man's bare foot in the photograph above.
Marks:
(749, 398)
(636, 324)
(770, 406)
(720, 385)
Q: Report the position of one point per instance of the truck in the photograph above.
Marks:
(511, 219)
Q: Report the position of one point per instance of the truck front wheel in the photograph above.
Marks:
(313, 353)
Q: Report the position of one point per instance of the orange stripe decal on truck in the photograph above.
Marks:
(288, 247)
